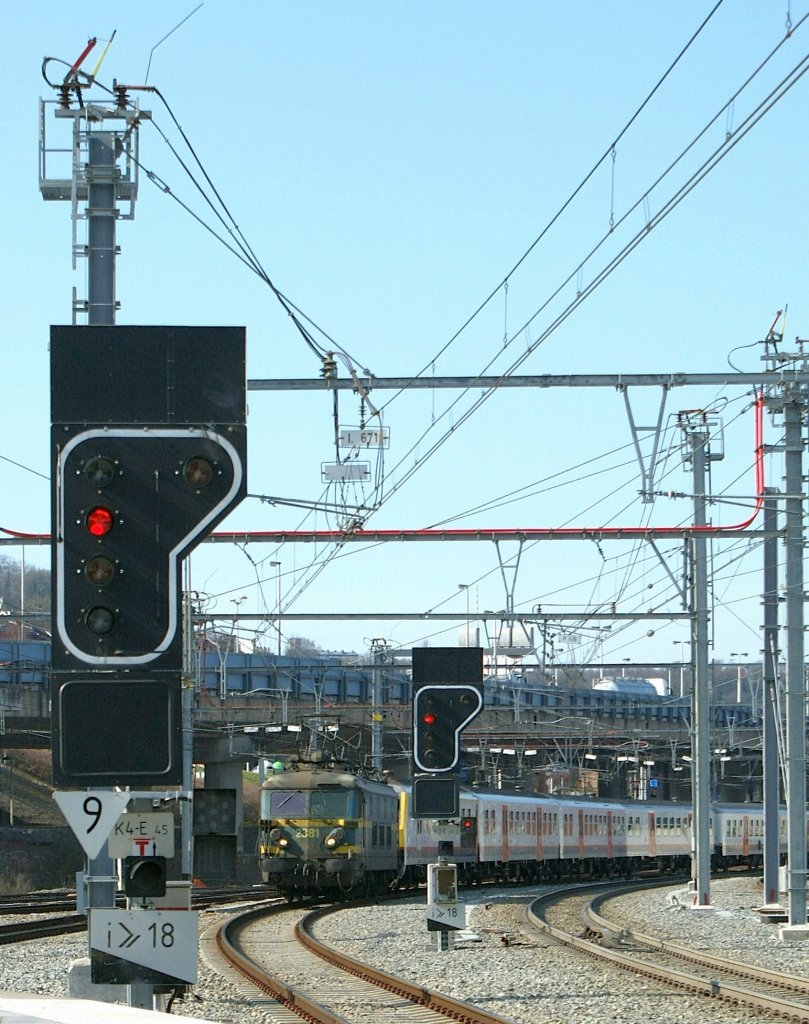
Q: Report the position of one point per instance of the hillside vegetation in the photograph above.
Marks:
(30, 773)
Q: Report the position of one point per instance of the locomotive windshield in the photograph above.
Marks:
(288, 804)
(318, 803)
(335, 804)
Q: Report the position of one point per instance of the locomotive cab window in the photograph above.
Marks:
(333, 804)
(287, 804)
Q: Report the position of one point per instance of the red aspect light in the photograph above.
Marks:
(99, 521)
(429, 718)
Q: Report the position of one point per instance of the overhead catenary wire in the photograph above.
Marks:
(718, 154)
(454, 428)
(377, 503)
(252, 261)
(503, 284)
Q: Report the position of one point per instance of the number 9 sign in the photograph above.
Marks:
(91, 816)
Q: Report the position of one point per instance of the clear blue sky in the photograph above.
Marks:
(389, 163)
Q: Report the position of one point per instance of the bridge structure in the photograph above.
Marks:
(251, 709)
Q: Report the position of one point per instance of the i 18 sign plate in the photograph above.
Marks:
(143, 945)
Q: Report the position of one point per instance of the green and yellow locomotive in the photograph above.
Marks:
(328, 831)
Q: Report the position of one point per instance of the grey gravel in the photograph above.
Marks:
(500, 963)
(533, 981)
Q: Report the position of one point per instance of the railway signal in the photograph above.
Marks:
(148, 454)
(447, 696)
(440, 712)
(130, 504)
(144, 876)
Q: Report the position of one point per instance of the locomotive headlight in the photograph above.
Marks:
(334, 838)
(277, 837)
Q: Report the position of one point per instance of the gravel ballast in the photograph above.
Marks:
(499, 963)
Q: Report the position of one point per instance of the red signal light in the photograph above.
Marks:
(99, 521)
(429, 718)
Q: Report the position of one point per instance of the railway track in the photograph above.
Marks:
(276, 951)
(65, 923)
(25, 931)
(36, 903)
(684, 968)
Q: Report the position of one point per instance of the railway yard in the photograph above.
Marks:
(503, 965)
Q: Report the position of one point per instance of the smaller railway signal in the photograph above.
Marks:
(440, 712)
(144, 876)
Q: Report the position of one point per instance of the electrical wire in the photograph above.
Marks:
(576, 191)
(668, 207)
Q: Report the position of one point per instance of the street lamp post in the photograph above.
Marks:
(738, 655)
(682, 644)
(6, 759)
(231, 645)
(465, 586)
(277, 567)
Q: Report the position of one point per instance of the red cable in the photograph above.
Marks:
(245, 536)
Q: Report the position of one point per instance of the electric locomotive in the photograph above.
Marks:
(327, 830)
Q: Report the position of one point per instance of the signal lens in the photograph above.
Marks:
(429, 718)
(99, 471)
(198, 472)
(100, 620)
(99, 570)
(99, 521)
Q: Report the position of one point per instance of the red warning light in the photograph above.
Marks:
(99, 521)
(429, 718)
